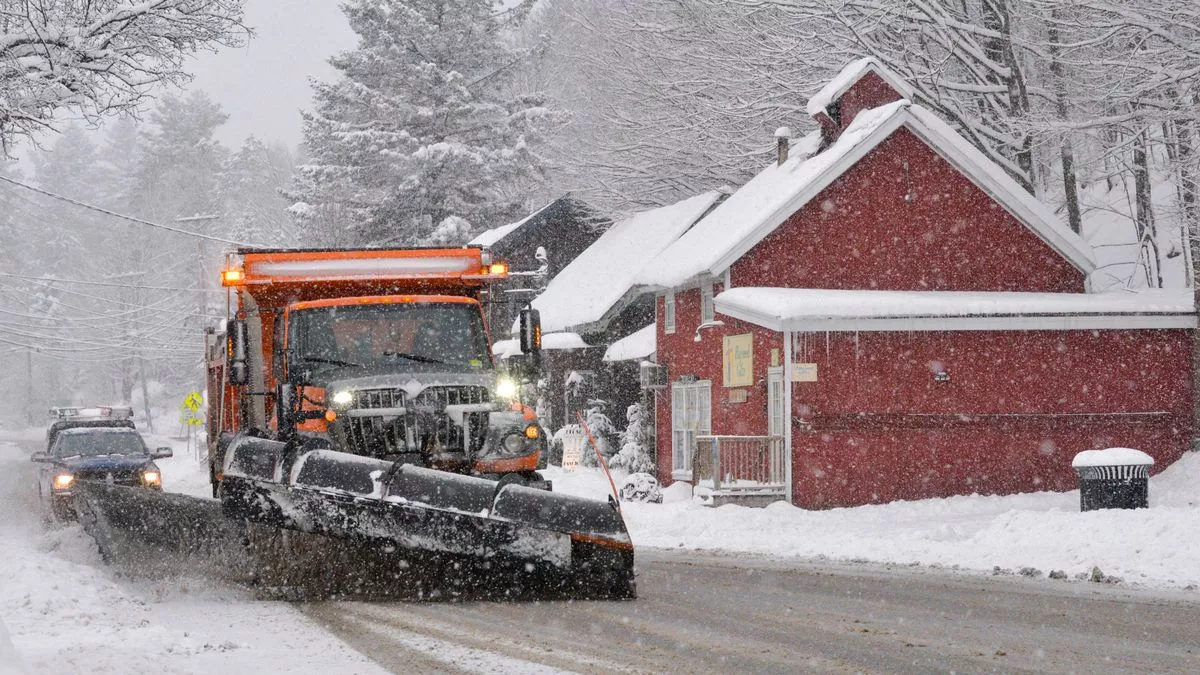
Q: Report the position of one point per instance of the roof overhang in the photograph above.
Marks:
(819, 310)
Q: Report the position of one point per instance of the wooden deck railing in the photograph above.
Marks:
(740, 463)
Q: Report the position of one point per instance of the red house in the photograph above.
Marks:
(888, 315)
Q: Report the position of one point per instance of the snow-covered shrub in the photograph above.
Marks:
(641, 487)
(451, 231)
(636, 455)
(603, 431)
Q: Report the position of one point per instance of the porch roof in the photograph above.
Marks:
(637, 345)
(799, 309)
(550, 342)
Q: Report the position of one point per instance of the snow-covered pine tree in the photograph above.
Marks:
(603, 431)
(636, 455)
(250, 186)
(418, 128)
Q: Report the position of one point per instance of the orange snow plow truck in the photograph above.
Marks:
(352, 397)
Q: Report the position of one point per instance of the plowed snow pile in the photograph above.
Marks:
(1042, 532)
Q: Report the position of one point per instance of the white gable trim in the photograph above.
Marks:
(1001, 187)
(848, 77)
(810, 191)
(998, 185)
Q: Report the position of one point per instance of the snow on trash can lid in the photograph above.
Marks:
(1112, 457)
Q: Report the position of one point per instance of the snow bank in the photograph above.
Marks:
(1156, 547)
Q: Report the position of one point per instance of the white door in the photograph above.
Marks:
(691, 415)
(775, 401)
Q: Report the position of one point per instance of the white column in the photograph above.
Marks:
(787, 412)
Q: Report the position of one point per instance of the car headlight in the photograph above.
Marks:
(514, 443)
(63, 481)
(342, 398)
(506, 388)
(152, 478)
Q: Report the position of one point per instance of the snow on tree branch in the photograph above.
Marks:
(100, 57)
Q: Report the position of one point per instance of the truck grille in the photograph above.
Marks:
(119, 476)
(383, 436)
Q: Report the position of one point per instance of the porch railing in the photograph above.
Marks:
(740, 463)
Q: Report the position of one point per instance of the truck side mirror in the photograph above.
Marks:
(285, 416)
(237, 346)
(531, 333)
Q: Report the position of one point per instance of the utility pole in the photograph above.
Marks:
(202, 283)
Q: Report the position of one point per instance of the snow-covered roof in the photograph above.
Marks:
(853, 72)
(490, 237)
(801, 309)
(586, 289)
(637, 345)
(550, 342)
(778, 191)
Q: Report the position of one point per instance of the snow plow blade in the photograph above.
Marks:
(157, 533)
(506, 538)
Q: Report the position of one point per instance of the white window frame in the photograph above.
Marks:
(669, 312)
(708, 312)
(691, 416)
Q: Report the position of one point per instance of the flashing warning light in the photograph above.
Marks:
(232, 276)
(330, 415)
(498, 268)
(532, 431)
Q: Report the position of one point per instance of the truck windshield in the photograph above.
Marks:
(386, 333)
(93, 443)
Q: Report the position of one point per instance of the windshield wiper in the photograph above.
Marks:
(336, 362)
(420, 358)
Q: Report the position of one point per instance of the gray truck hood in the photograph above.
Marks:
(413, 383)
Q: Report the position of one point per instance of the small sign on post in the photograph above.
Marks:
(573, 439)
(190, 418)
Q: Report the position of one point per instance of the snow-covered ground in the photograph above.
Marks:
(1040, 533)
(64, 611)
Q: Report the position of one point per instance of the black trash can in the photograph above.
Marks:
(1116, 478)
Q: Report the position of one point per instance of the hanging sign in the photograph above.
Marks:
(738, 360)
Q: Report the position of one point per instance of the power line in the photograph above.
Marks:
(122, 216)
(109, 284)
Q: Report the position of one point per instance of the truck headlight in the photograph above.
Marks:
(514, 443)
(506, 388)
(342, 398)
(63, 481)
(152, 478)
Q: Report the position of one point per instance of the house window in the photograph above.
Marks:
(706, 304)
(691, 416)
(669, 312)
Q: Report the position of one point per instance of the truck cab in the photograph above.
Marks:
(391, 361)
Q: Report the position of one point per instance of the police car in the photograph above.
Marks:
(93, 445)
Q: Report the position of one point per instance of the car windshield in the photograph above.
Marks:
(384, 333)
(97, 442)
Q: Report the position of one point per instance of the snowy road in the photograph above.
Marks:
(67, 612)
(704, 613)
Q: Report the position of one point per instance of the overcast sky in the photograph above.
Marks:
(264, 85)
